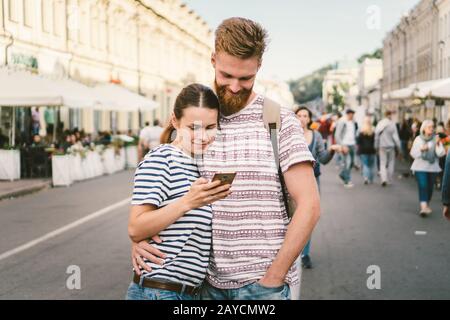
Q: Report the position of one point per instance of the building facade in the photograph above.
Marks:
(152, 47)
(344, 81)
(418, 50)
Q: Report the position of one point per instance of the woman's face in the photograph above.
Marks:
(196, 129)
(429, 130)
(304, 118)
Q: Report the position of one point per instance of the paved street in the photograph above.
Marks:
(359, 227)
(371, 225)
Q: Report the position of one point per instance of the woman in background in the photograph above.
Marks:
(366, 149)
(322, 155)
(426, 151)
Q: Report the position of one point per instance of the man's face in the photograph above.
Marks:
(350, 116)
(234, 80)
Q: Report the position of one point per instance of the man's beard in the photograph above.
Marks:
(232, 103)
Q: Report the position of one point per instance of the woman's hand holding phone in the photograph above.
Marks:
(203, 192)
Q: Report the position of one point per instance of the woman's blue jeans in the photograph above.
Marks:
(425, 182)
(368, 162)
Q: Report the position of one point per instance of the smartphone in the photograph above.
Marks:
(224, 177)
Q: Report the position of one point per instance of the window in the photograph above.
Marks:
(47, 16)
(84, 26)
(13, 6)
(59, 17)
(444, 29)
(448, 67)
(448, 26)
(95, 28)
(28, 12)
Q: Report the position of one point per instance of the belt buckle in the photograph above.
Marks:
(196, 290)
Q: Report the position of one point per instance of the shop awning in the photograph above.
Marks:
(439, 88)
(118, 98)
(76, 94)
(23, 89)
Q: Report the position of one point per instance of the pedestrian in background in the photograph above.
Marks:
(405, 135)
(149, 138)
(334, 120)
(426, 151)
(324, 128)
(35, 121)
(446, 189)
(346, 134)
(321, 154)
(387, 142)
(444, 139)
(366, 149)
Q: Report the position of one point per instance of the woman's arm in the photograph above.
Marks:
(415, 149)
(323, 156)
(147, 220)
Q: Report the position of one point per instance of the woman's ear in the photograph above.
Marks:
(174, 121)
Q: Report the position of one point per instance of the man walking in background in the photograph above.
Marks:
(346, 133)
(387, 142)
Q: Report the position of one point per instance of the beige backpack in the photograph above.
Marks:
(272, 123)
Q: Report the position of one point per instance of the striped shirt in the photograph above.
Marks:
(250, 224)
(165, 175)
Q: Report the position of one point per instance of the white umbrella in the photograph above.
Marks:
(23, 89)
(118, 98)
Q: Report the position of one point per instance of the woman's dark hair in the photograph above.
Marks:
(194, 95)
(300, 108)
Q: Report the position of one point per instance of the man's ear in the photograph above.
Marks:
(213, 59)
(259, 64)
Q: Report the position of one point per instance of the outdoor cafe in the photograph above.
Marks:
(65, 130)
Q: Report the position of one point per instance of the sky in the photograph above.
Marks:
(306, 35)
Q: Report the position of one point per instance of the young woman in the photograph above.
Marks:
(172, 201)
(366, 149)
(426, 151)
(317, 147)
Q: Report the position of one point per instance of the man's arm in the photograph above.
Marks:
(446, 183)
(302, 187)
(338, 132)
(397, 139)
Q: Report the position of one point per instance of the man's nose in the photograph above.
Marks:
(235, 86)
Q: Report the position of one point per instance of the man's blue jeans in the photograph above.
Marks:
(137, 292)
(368, 162)
(425, 182)
(253, 291)
(347, 164)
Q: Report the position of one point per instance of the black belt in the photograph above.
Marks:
(171, 286)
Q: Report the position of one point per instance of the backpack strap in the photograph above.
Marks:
(272, 122)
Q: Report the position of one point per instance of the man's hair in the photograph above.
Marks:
(241, 38)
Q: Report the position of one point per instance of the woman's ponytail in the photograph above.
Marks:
(166, 135)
